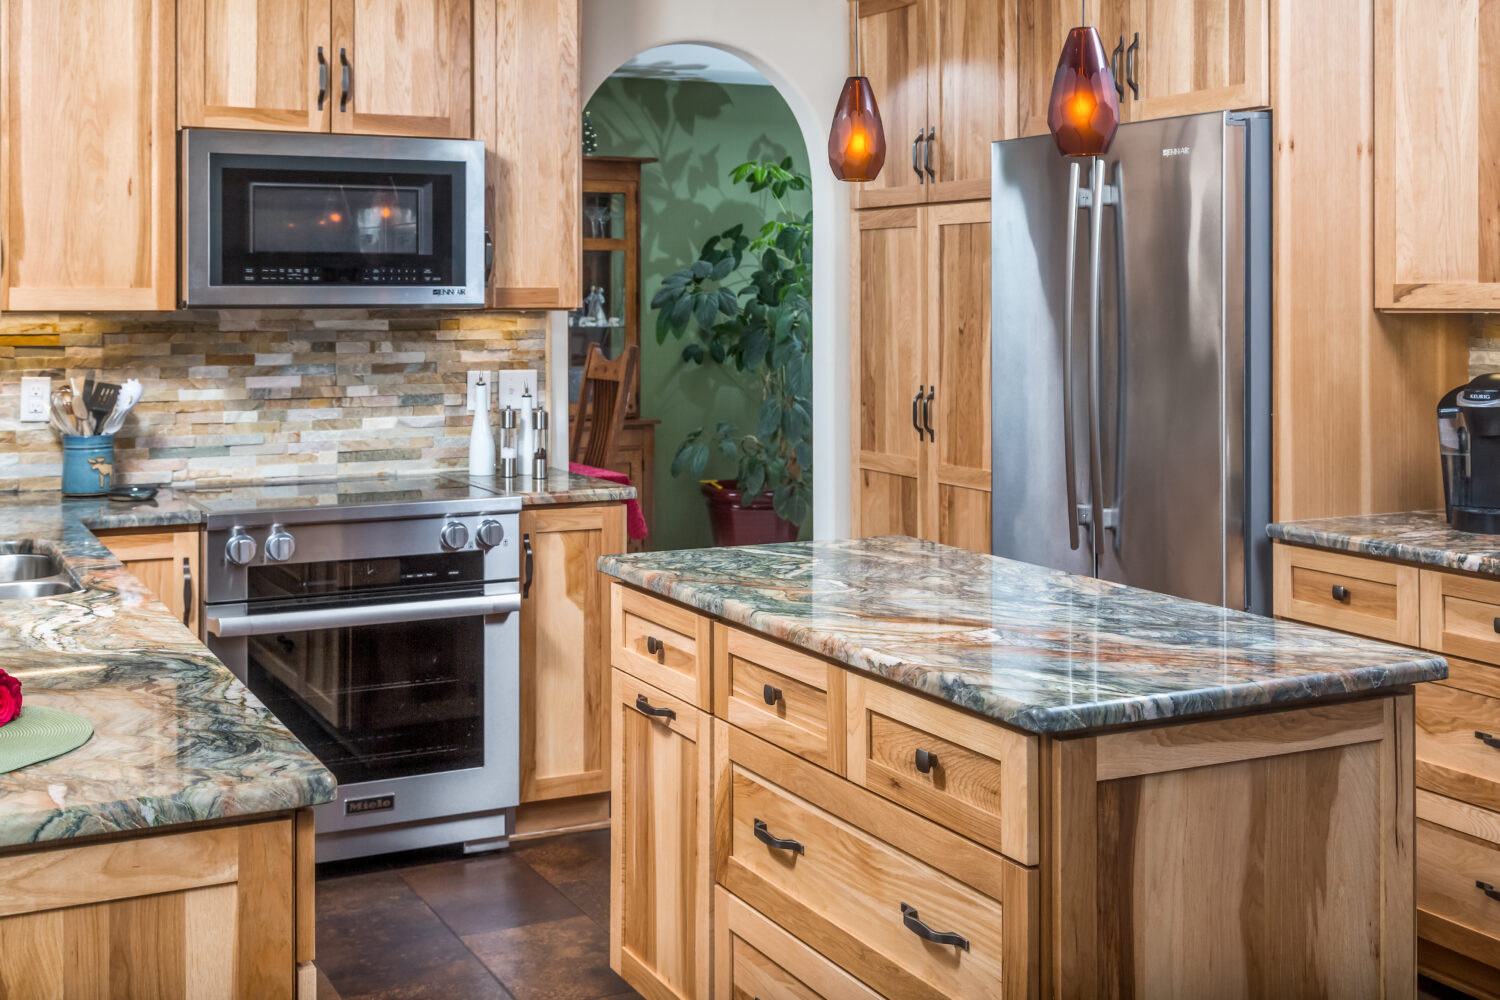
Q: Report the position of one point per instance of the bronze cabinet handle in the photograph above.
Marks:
(916, 425)
(1487, 739)
(322, 78)
(1130, 58)
(771, 694)
(927, 412)
(916, 158)
(656, 648)
(643, 705)
(346, 80)
(187, 589)
(763, 835)
(927, 152)
(926, 760)
(1489, 890)
(1114, 66)
(1340, 594)
(530, 564)
(921, 930)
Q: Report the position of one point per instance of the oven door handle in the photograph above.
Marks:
(375, 614)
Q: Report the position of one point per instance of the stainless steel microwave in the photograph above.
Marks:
(277, 219)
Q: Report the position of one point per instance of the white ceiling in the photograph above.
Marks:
(692, 62)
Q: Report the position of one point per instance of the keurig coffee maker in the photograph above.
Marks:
(1469, 432)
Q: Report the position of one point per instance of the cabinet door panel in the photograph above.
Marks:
(893, 54)
(527, 111)
(253, 64)
(659, 843)
(408, 63)
(889, 370)
(1041, 28)
(87, 159)
(565, 651)
(166, 562)
(958, 330)
(972, 93)
(1198, 55)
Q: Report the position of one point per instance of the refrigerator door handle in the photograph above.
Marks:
(1070, 468)
(1096, 361)
(1114, 197)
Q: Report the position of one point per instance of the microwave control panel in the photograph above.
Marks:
(279, 275)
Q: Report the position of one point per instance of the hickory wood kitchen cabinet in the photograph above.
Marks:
(1457, 725)
(93, 163)
(167, 562)
(776, 834)
(921, 379)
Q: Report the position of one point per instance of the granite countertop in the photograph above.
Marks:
(1037, 648)
(1421, 536)
(176, 738)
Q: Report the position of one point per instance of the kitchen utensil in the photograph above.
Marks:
(129, 395)
(62, 411)
(80, 409)
(100, 399)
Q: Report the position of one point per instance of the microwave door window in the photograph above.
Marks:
(312, 219)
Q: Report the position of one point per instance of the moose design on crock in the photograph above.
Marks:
(104, 468)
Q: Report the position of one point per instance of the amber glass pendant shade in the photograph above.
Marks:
(856, 143)
(1085, 110)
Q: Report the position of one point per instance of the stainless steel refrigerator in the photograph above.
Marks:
(1130, 331)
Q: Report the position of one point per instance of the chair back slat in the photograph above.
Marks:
(603, 400)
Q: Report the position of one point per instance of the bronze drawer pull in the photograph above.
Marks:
(656, 648)
(1489, 890)
(763, 835)
(1487, 739)
(921, 930)
(1340, 594)
(1497, 624)
(771, 694)
(643, 706)
(926, 760)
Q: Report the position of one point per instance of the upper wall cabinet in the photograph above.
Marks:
(944, 82)
(1437, 156)
(527, 111)
(1170, 57)
(87, 155)
(254, 64)
(373, 67)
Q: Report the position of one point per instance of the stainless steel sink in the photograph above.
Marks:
(27, 575)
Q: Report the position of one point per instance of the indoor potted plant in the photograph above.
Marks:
(746, 301)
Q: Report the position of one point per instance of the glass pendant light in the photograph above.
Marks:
(856, 143)
(1084, 110)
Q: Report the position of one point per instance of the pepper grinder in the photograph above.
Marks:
(539, 455)
(509, 464)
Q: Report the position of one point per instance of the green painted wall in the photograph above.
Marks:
(698, 132)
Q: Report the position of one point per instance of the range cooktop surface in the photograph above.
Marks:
(335, 499)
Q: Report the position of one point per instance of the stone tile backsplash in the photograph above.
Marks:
(261, 394)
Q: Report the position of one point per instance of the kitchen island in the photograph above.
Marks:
(889, 767)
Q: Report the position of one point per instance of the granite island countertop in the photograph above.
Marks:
(176, 738)
(1036, 648)
(1421, 536)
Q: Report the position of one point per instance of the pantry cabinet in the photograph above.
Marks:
(921, 377)
(565, 649)
(943, 77)
(87, 155)
(1437, 157)
(254, 64)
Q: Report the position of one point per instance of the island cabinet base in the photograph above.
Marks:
(217, 911)
(823, 833)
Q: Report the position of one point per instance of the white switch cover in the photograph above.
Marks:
(474, 377)
(36, 398)
(513, 383)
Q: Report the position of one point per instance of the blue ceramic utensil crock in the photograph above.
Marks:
(88, 465)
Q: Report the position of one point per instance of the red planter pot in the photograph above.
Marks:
(733, 524)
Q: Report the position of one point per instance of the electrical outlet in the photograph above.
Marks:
(36, 399)
(512, 384)
(474, 378)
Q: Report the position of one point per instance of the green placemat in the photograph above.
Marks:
(38, 733)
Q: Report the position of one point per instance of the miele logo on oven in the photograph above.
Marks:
(375, 803)
(447, 291)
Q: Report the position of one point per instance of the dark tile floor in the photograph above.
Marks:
(530, 923)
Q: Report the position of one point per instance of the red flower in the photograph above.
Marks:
(10, 697)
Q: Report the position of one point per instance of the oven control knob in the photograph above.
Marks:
(455, 535)
(280, 544)
(240, 548)
(490, 533)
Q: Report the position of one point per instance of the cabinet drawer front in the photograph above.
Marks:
(978, 778)
(756, 957)
(1461, 615)
(661, 643)
(1453, 757)
(867, 890)
(784, 696)
(1350, 593)
(1452, 909)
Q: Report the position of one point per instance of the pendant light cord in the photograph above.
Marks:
(1083, 13)
(858, 66)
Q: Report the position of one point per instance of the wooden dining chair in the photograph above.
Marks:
(602, 401)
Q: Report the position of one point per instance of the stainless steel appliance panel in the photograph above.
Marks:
(1033, 212)
(1167, 425)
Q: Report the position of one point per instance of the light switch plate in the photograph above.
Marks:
(36, 399)
(474, 377)
(513, 383)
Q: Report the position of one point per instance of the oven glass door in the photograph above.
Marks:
(294, 220)
(373, 700)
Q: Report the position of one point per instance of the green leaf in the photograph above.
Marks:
(706, 308)
(753, 483)
(682, 311)
(722, 268)
(694, 353)
(663, 296)
(702, 268)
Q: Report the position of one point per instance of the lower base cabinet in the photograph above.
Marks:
(745, 942)
(217, 911)
(166, 561)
